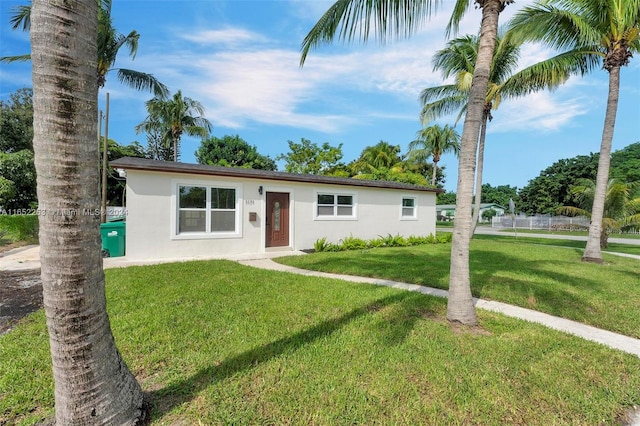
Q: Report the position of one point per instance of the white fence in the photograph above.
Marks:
(540, 222)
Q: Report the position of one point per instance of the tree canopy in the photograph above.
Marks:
(116, 184)
(307, 157)
(232, 151)
(625, 163)
(552, 188)
(16, 121)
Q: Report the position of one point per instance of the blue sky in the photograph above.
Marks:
(240, 59)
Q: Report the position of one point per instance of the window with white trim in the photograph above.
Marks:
(408, 208)
(330, 205)
(207, 210)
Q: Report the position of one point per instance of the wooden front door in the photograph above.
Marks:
(277, 226)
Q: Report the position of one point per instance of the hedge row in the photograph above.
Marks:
(354, 243)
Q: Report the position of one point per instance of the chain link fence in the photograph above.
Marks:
(547, 222)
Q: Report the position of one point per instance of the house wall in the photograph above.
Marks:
(152, 215)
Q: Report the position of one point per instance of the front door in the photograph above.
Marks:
(277, 226)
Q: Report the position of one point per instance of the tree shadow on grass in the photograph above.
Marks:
(540, 283)
(180, 392)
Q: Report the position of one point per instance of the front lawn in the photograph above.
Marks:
(214, 342)
(532, 273)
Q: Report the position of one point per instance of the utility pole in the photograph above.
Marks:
(105, 146)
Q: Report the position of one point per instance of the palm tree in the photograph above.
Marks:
(607, 30)
(433, 141)
(458, 59)
(173, 117)
(352, 19)
(621, 209)
(378, 156)
(109, 44)
(92, 383)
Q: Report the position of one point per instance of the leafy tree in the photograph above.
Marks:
(394, 174)
(603, 30)
(307, 157)
(621, 210)
(434, 141)
(173, 117)
(425, 169)
(446, 198)
(625, 163)
(19, 180)
(109, 43)
(499, 194)
(351, 19)
(488, 214)
(115, 184)
(552, 188)
(92, 384)
(16, 121)
(232, 151)
(7, 192)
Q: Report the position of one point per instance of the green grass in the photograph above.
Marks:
(575, 233)
(218, 343)
(532, 273)
(526, 239)
(18, 228)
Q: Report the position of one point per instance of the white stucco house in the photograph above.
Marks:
(178, 210)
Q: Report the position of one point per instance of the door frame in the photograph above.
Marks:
(263, 234)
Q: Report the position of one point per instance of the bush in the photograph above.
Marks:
(354, 243)
(19, 227)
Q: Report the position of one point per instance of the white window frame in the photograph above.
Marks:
(207, 234)
(335, 216)
(414, 216)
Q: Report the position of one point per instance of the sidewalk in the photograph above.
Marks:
(28, 257)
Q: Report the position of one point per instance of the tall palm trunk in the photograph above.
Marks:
(592, 251)
(92, 383)
(460, 303)
(435, 170)
(478, 197)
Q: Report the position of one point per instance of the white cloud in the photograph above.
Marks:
(539, 111)
(241, 81)
(228, 36)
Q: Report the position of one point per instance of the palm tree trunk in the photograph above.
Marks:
(478, 200)
(175, 150)
(435, 170)
(92, 383)
(460, 305)
(593, 251)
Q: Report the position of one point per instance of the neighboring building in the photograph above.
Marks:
(177, 210)
(448, 211)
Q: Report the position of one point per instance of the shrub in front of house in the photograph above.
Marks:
(354, 243)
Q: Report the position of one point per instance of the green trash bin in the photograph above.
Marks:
(113, 238)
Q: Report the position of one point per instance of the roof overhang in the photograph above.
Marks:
(143, 164)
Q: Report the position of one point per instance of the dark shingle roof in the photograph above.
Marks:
(130, 163)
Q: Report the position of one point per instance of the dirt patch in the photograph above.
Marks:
(20, 294)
